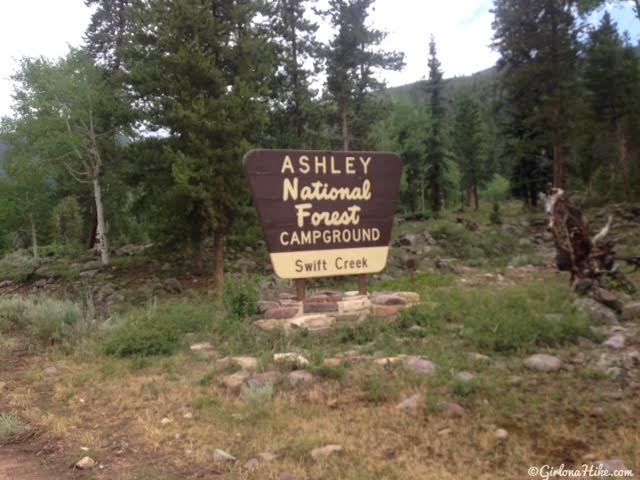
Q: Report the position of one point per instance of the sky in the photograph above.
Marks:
(462, 29)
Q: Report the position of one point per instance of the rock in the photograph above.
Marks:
(608, 298)
(611, 466)
(501, 434)
(251, 464)
(314, 323)
(332, 362)
(543, 362)
(261, 379)
(354, 303)
(410, 403)
(300, 377)
(420, 365)
(464, 376)
(267, 456)
(188, 415)
(388, 360)
(320, 307)
(279, 312)
(453, 410)
(615, 342)
(387, 299)
(478, 357)
(235, 380)
(50, 371)
(222, 456)
(595, 311)
(406, 240)
(325, 451)
(165, 421)
(417, 329)
(386, 311)
(246, 363)
(410, 298)
(205, 347)
(85, 463)
(290, 357)
(631, 311)
(172, 285)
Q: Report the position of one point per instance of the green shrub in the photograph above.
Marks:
(48, 319)
(258, 398)
(240, 296)
(158, 328)
(10, 427)
(497, 190)
(495, 217)
(424, 316)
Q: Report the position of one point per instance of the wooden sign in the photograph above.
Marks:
(325, 213)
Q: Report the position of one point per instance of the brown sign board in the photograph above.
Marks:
(325, 213)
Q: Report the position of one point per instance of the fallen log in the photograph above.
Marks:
(590, 260)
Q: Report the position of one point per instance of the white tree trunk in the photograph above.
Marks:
(34, 238)
(101, 232)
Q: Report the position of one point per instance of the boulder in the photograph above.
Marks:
(596, 311)
(314, 323)
(615, 342)
(631, 311)
(290, 357)
(300, 377)
(261, 379)
(235, 380)
(279, 312)
(386, 311)
(85, 463)
(543, 362)
(420, 365)
(387, 299)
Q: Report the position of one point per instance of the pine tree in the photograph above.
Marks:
(536, 40)
(469, 146)
(610, 68)
(200, 71)
(436, 150)
(296, 117)
(352, 57)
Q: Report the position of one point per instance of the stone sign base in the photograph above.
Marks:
(323, 311)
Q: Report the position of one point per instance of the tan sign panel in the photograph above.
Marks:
(325, 213)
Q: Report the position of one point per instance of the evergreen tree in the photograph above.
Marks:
(436, 150)
(536, 40)
(200, 72)
(469, 146)
(610, 79)
(296, 117)
(352, 57)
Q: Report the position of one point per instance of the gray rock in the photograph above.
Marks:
(631, 311)
(410, 403)
(453, 410)
(85, 463)
(595, 311)
(420, 365)
(300, 377)
(201, 347)
(543, 362)
(501, 434)
(465, 376)
(615, 342)
(261, 379)
(172, 285)
(50, 371)
(222, 456)
(251, 464)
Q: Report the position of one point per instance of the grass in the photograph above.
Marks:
(49, 320)
(10, 427)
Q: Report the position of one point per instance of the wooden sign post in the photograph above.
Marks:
(325, 213)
